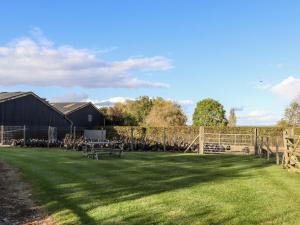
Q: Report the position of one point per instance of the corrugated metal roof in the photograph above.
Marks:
(4, 96)
(68, 107)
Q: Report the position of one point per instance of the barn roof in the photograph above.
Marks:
(69, 107)
(7, 96)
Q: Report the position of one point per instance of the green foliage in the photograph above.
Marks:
(209, 112)
(158, 188)
(138, 109)
(145, 111)
(164, 114)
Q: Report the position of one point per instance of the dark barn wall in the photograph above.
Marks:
(30, 111)
(80, 117)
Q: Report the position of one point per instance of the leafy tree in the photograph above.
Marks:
(138, 109)
(114, 115)
(165, 113)
(292, 113)
(232, 118)
(209, 112)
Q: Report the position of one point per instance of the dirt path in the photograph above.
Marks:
(16, 205)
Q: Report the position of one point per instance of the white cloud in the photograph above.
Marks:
(110, 101)
(38, 61)
(288, 88)
(71, 97)
(184, 102)
(257, 117)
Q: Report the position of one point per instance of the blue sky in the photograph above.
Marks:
(243, 53)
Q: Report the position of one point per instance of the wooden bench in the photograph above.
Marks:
(109, 152)
(97, 153)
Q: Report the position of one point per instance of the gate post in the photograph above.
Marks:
(201, 140)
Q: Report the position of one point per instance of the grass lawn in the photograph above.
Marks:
(159, 188)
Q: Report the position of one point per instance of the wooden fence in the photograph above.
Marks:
(196, 139)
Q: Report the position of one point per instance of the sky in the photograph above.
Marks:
(245, 54)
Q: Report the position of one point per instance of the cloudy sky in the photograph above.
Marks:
(244, 54)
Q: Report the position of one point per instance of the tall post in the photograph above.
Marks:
(201, 140)
(2, 134)
(24, 134)
(48, 145)
(74, 132)
(277, 151)
(267, 146)
(256, 141)
(131, 137)
(164, 139)
(235, 139)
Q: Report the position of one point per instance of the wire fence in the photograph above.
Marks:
(32, 135)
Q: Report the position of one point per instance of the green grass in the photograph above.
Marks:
(159, 188)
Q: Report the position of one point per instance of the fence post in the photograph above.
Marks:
(268, 152)
(234, 139)
(255, 141)
(24, 134)
(74, 132)
(164, 139)
(201, 140)
(48, 145)
(2, 134)
(277, 151)
(131, 137)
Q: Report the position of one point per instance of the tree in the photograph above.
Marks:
(232, 118)
(138, 109)
(292, 113)
(209, 112)
(165, 113)
(283, 123)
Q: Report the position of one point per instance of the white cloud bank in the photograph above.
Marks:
(257, 117)
(288, 88)
(83, 97)
(38, 61)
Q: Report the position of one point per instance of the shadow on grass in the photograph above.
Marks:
(112, 181)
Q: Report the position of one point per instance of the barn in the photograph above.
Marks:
(26, 114)
(84, 115)
(26, 108)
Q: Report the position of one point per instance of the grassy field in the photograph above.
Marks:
(159, 188)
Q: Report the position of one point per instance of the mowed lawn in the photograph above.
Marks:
(159, 188)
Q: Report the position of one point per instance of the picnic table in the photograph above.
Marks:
(95, 150)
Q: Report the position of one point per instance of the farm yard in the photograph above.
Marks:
(157, 187)
(149, 113)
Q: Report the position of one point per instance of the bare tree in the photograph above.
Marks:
(232, 118)
(292, 114)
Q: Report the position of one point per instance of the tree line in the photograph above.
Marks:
(159, 112)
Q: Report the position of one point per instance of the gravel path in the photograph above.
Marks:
(16, 205)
